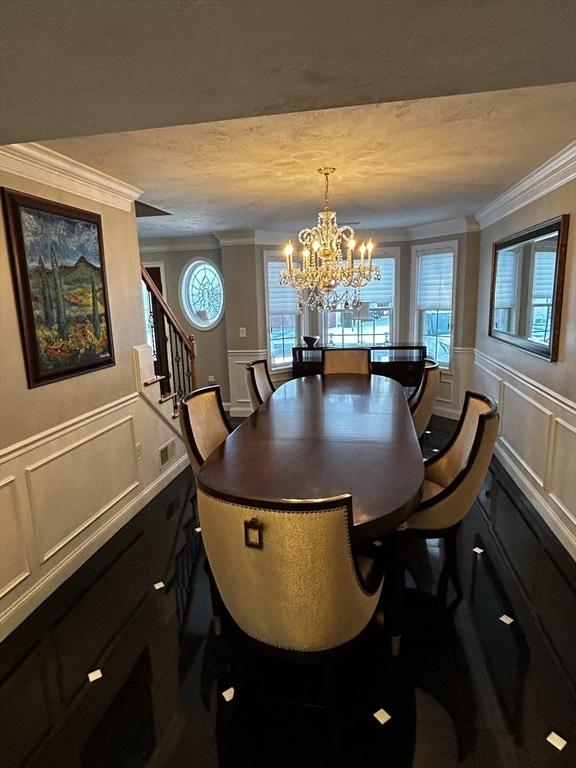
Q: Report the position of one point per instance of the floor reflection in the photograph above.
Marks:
(159, 700)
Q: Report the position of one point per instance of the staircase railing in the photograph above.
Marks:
(173, 350)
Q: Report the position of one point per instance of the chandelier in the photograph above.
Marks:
(330, 273)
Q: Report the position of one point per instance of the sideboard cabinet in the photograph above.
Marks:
(402, 362)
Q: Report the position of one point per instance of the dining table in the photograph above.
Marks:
(321, 436)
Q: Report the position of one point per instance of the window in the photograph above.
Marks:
(283, 316)
(504, 317)
(541, 296)
(202, 294)
(372, 323)
(434, 297)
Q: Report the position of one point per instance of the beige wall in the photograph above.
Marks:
(211, 345)
(244, 283)
(25, 412)
(560, 377)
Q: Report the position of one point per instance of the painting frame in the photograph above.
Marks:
(84, 344)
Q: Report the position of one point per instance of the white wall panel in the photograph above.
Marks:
(537, 443)
(525, 429)
(73, 487)
(562, 475)
(66, 491)
(14, 566)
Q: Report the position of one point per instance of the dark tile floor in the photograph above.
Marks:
(159, 701)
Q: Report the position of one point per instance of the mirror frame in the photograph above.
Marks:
(549, 352)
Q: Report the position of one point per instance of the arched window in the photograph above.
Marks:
(202, 294)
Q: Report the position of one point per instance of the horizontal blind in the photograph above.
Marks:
(505, 291)
(380, 291)
(281, 298)
(435, 272)
(544, 270)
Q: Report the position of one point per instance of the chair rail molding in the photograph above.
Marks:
(537, 442)
(45, 166)
(555, 172)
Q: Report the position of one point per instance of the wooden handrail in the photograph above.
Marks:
(187, 339)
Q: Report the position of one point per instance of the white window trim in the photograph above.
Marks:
(422, 249)
(182, 304)
(384, 252)
(302, 320)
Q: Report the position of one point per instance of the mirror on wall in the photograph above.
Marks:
(526, 288)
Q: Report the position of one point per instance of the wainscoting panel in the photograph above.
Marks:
(14, 566)
(525, 431)
(72, 488)
(561, 482)
(537, 443)
(66, 491)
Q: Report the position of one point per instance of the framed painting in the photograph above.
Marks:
(60, 285)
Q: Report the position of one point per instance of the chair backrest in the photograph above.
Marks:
(204, 424)
(301, 590)
(346, 361)
(258, 382)
(422, 404)
(461, 467)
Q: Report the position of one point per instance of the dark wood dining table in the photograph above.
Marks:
(321, 436)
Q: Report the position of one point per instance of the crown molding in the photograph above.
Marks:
(443, 228)
(180, 244)
(423, 231)
(554, 173)
(37, 163)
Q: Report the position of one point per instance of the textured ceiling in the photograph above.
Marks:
(399, 164)
(80, 67)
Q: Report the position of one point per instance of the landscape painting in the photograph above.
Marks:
(60, 283)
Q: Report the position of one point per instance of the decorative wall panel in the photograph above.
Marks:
(14, 566)
(522, 419)
(72, 488)
(537, 443)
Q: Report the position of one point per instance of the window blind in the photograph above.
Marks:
(544, 270)
(281, 298)
(380, 291)
(435, 272)
(505, 293)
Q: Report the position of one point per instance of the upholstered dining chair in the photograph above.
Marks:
(422, 402)
(203, 423)
(453, 478)
(204, 426)
(258, 382)
(286, 571)
(346, 361)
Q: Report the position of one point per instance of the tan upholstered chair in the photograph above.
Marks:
(286, 572)
(422, 402)
(346, 361)
(204, 424)
(453, 478)
(258, 383)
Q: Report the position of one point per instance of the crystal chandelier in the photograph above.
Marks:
(330, 274)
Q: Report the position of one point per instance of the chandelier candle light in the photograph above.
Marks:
(328, 262)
